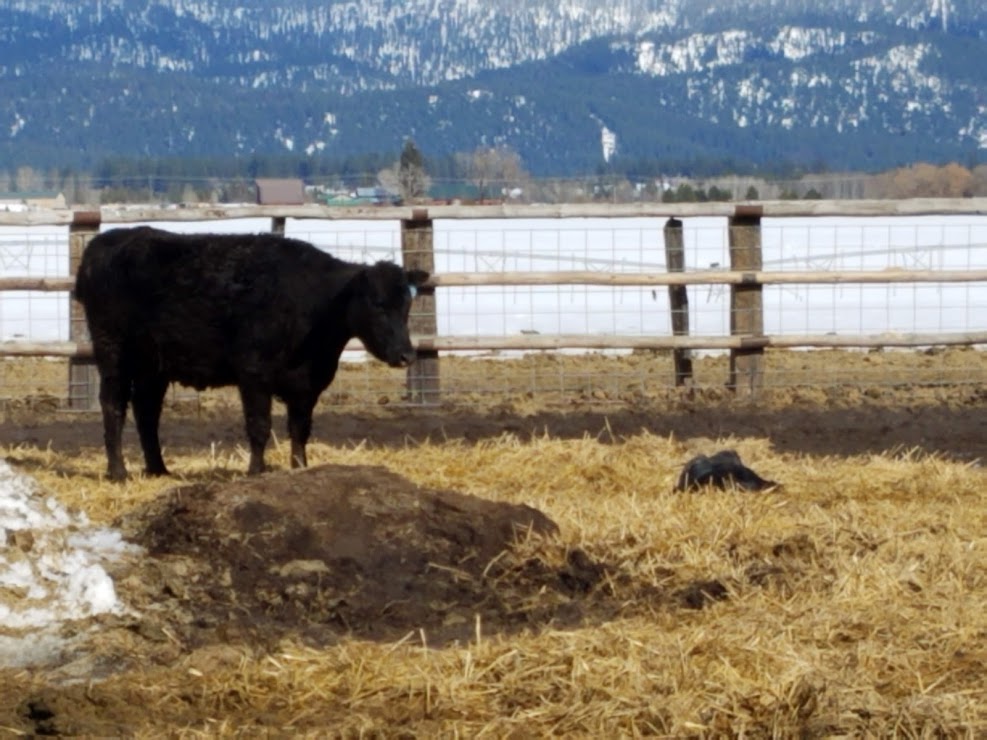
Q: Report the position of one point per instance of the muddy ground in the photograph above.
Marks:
(826, 402)
(951, 420)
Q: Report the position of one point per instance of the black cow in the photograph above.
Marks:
(265, 313)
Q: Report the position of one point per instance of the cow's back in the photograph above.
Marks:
(199, 308)
(152, 267)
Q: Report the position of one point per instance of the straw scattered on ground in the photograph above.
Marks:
(850, 601)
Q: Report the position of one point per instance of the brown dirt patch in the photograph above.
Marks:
(826, 402)
(330, 551)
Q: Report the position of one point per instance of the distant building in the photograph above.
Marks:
(31, 199)
(369, 196)
(378, 196)
(280, 192)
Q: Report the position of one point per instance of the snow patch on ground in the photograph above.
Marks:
(51, 569)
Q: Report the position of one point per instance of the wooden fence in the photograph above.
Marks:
(746, 278)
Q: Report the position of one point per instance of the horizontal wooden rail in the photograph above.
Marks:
(611, 342)
(41, 284)
(630, 279)
(45, 349)
(706, 277)
(110, 214)
(535, 342)
(37, 217)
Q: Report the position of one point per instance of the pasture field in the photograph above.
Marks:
(849, 602)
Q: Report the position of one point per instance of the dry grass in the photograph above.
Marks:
(857, 604)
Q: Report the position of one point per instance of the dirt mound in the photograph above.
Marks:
(233, 568)
(338, 550)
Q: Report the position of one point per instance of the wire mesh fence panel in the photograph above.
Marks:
(355, 241)
(829, 245)
(38, 252)
(594, 245)
(927, 243)
(605, 246)
(35, 316)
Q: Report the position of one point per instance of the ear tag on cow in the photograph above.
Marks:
(413, 290)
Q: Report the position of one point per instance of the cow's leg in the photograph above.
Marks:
(114, 392)
(257, 415)
(148, 398)
(299, 429)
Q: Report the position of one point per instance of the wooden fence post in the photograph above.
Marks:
(417, 253)
(83, 377)
(746, 304)
(678, 298)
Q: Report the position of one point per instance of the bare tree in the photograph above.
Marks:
(924, 180)
(388, 179)
(27, 178)
(493, 170)
(979, 186)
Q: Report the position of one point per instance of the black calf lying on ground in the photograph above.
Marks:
(722, 470)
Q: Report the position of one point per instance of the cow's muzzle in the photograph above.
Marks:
(404, 359)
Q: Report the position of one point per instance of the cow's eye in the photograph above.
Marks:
(387, 302)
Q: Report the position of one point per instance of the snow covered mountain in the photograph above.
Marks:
(859, 83)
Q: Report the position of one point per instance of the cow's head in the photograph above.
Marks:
(378, 315)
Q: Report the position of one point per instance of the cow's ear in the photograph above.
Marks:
(417, 278)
